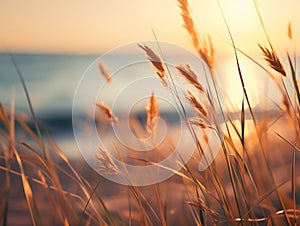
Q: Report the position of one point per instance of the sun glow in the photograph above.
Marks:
(240, 14)
(231, 83)
(101, 25)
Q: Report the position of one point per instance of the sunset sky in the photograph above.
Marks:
(95, 26)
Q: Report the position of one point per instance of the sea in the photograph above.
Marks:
(59, 83)
(51, 81)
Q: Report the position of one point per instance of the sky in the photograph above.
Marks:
(96, 26)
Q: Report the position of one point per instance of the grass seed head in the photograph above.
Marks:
(272, 59)
(290, 33)
(157, 63)
(196, 104)
(152, 113)
(104, 71)
(107, 112)
(107, 165)
(190, 76)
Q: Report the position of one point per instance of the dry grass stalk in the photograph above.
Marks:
(107, 165)
(205, 138)
(190, 76)
(188, 22)
(200, 122)
(152, 113)
(104, 71)
(31, 201)
(197, 105)
(273, 60)
(202, 207)
(49, 195)
(107, 112)
(157, 63)
(285, 104)
(290, 34)
(4, 116)
(207, 53)
(205, 50)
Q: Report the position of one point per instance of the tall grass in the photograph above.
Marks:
(254, 180)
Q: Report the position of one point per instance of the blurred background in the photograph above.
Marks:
(54, 42)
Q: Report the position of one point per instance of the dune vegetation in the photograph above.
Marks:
(254, 179)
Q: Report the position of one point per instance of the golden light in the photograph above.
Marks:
(231, 83)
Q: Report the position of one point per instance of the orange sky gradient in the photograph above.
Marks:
(96, 26)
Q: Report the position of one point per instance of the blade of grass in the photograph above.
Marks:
(243, 124)
(159, 205)
(37, 181)
(4, 117)
(289, 142)
(55, 208)
(30, 105)
(293, 72)
(246, 96)
(4, 223)
(102, 203)
(10, 126)
(265, 196)
(294, 184)
(84, 185)
(129, 208)
(33, 209)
